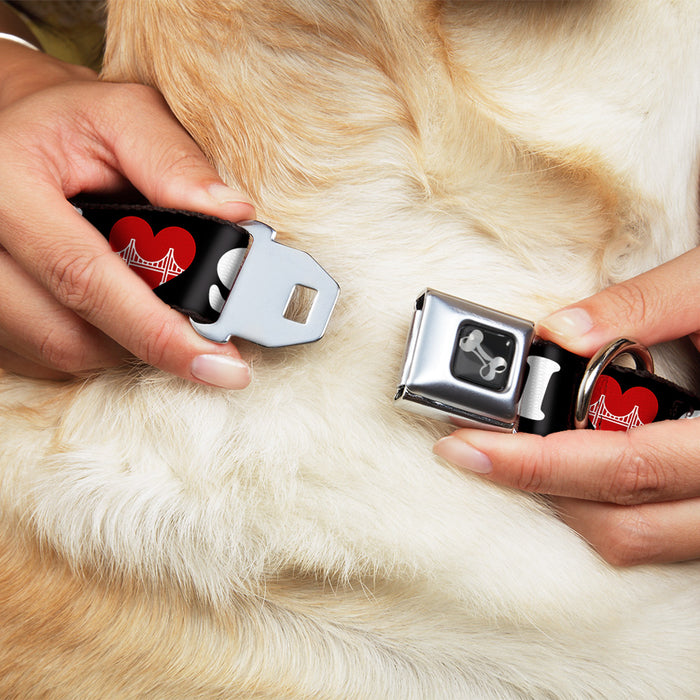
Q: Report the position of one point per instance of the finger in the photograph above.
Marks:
(17, 364)
(654, 462)
(76, 265)
(161, 160)
(630, 535)
(71, 260)
(35, 326)
(659, 305)
(84, 137)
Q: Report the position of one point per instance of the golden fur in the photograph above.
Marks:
(298, 539)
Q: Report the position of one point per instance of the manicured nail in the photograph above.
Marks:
(221, 370)
(463, 455)
(226, 195)
(569, 323)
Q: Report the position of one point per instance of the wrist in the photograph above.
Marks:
(24, 71)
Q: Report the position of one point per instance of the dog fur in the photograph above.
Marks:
(298, 539)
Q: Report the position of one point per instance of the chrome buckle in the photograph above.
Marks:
(256, 308)
(464, 363)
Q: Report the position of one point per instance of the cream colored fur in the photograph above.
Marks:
(298, 539)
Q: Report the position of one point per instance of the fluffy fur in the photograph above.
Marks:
(298, 539)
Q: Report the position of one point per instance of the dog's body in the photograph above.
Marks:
(298, 539)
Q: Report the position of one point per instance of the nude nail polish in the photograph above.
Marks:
(226, 195)
(463, 455)
(569, 323)
(221, 370)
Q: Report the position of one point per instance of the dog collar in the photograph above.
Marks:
(232, 280)
(476, 367)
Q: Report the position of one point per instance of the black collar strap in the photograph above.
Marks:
(464, 363)
(477, 367)
(231, 279)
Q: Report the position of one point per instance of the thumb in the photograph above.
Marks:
(163, 162)
(659, 305)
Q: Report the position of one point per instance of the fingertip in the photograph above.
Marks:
(212, 199)
(462, 454)
(223, 195)
(186, 354)
(580, 330)
(221, 370)
(653, 307)
(570, 327)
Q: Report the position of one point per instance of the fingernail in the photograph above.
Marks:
(569, 323)
(226, 195)
(221, 370)
(463, 455)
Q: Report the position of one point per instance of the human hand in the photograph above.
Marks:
(68, 304)
(634, 496)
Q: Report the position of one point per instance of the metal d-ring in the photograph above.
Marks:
(597, 364)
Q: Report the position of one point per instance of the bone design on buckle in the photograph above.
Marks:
(476, 367)
(232, 280)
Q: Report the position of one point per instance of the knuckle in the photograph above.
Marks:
(157, 340)
(630, 301)
(178, 164)
(62, 351)
(178, 161)
(532, 471)
(629, 538)
(75, 284)
(637, 477)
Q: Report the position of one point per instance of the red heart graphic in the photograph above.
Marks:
(610, 409)
(156, 259)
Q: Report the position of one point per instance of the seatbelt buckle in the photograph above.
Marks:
(479, 368)
(263, 293)
(464, 363)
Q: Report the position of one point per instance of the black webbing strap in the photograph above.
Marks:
(177, 253)
(623, 398)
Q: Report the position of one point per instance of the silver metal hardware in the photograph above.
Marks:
(464, 363)
(597, 364)
(256, 306)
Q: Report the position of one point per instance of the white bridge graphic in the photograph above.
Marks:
(167, 266)
(598, 411)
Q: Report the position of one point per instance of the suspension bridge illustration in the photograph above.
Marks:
(166, 266)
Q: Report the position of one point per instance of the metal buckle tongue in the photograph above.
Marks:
(256, 308)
